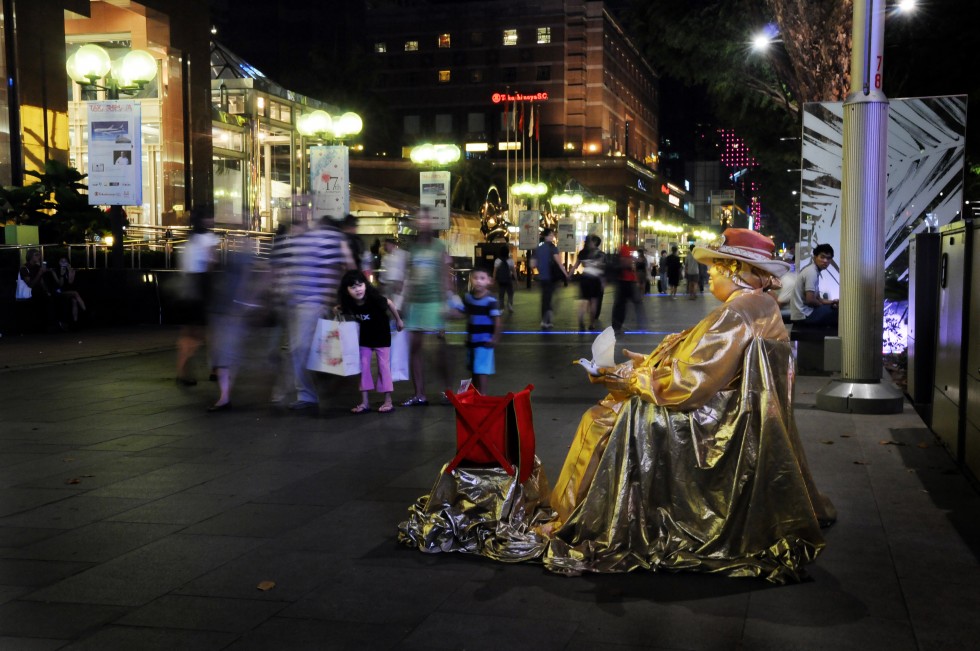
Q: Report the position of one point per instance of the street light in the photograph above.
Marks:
(434, 184)
(330, 164)
(128, 74)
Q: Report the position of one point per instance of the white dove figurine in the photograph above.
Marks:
(603, 352)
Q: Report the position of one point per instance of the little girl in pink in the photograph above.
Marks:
(362, 301)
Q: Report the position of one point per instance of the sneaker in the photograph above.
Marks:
(546, 326)
(415, 401)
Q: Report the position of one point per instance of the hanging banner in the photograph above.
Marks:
(434, 194)
(330, 180)
(115, 171)
(527, 224)
(565, 236)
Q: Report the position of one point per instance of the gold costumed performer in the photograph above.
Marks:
(692, 462)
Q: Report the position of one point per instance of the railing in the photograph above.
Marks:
(153, 241)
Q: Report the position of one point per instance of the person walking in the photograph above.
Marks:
(662, 268)
(428, 283)
(674, 267)
(361, 301)
(626, 290)
(314, 261)
(692, 272)
(548, 263)
(197, 261)
(504, 275)
(592, 262)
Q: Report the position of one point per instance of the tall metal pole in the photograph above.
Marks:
(860, 388)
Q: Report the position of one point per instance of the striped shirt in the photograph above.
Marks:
(313, 263)
(480, 316)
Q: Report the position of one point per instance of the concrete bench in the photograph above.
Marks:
(818, 349)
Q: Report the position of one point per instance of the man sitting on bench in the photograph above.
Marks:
(808, 307)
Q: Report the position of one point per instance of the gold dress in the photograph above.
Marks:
(693, 461)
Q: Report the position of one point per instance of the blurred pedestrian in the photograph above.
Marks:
(692, 271)
(548, 263)
(197, 262)
(662, 268)
(314, 261)
(504, 275)
(626, 289)
(360, 300)
(392, 274)
(428, 283)
(235, 295)
(592, 262)
(674, 268)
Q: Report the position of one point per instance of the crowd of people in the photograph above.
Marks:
(325, 271)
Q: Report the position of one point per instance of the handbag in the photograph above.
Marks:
(335, 348)
(399, 356)
(23, 289)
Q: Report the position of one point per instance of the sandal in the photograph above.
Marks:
(360, 409)
(386, 409)
(415, 401)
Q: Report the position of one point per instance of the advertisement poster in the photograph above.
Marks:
(434, 194)
(330, 181)
(115, 175)
(565, 236)
(527, 223)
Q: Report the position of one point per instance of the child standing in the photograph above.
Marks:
(482, 327)
(363, 302)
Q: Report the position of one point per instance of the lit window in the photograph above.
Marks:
(444, 76)
(510, 37)
(544, 35)
(444, 40)
(411, 46)
(380, 48)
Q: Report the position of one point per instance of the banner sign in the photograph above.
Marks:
(565, 236)
(529, 234)
(434, 194)
(330, 181)
(115, 171)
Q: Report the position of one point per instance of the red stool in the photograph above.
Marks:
(494, 429)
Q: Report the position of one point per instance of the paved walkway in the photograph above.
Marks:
(132, 519)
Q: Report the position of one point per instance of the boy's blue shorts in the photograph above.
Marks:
(480, 361)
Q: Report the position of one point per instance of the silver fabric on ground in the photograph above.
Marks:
(481, 511)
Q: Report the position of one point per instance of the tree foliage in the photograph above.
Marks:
(55, 204)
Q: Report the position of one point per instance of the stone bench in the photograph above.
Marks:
(818, 349)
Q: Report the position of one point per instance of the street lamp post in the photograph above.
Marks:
(330, 165)
(126, 75)
(434, 184)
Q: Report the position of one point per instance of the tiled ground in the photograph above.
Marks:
(132, 519)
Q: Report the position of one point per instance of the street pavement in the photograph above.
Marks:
(130, 518)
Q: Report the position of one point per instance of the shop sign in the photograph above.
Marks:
(565, 236)
(497, 98)
(115, 171)
(527, 223)
(330, 180)
(434, 194)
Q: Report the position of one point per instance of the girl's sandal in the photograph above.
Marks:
(386, 409)
(360, 409)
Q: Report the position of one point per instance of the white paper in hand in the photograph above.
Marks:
(603, 352)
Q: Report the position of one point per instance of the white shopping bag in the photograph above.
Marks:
(335, 349)
(399, 356)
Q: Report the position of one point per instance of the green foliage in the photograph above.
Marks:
(55, 203)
